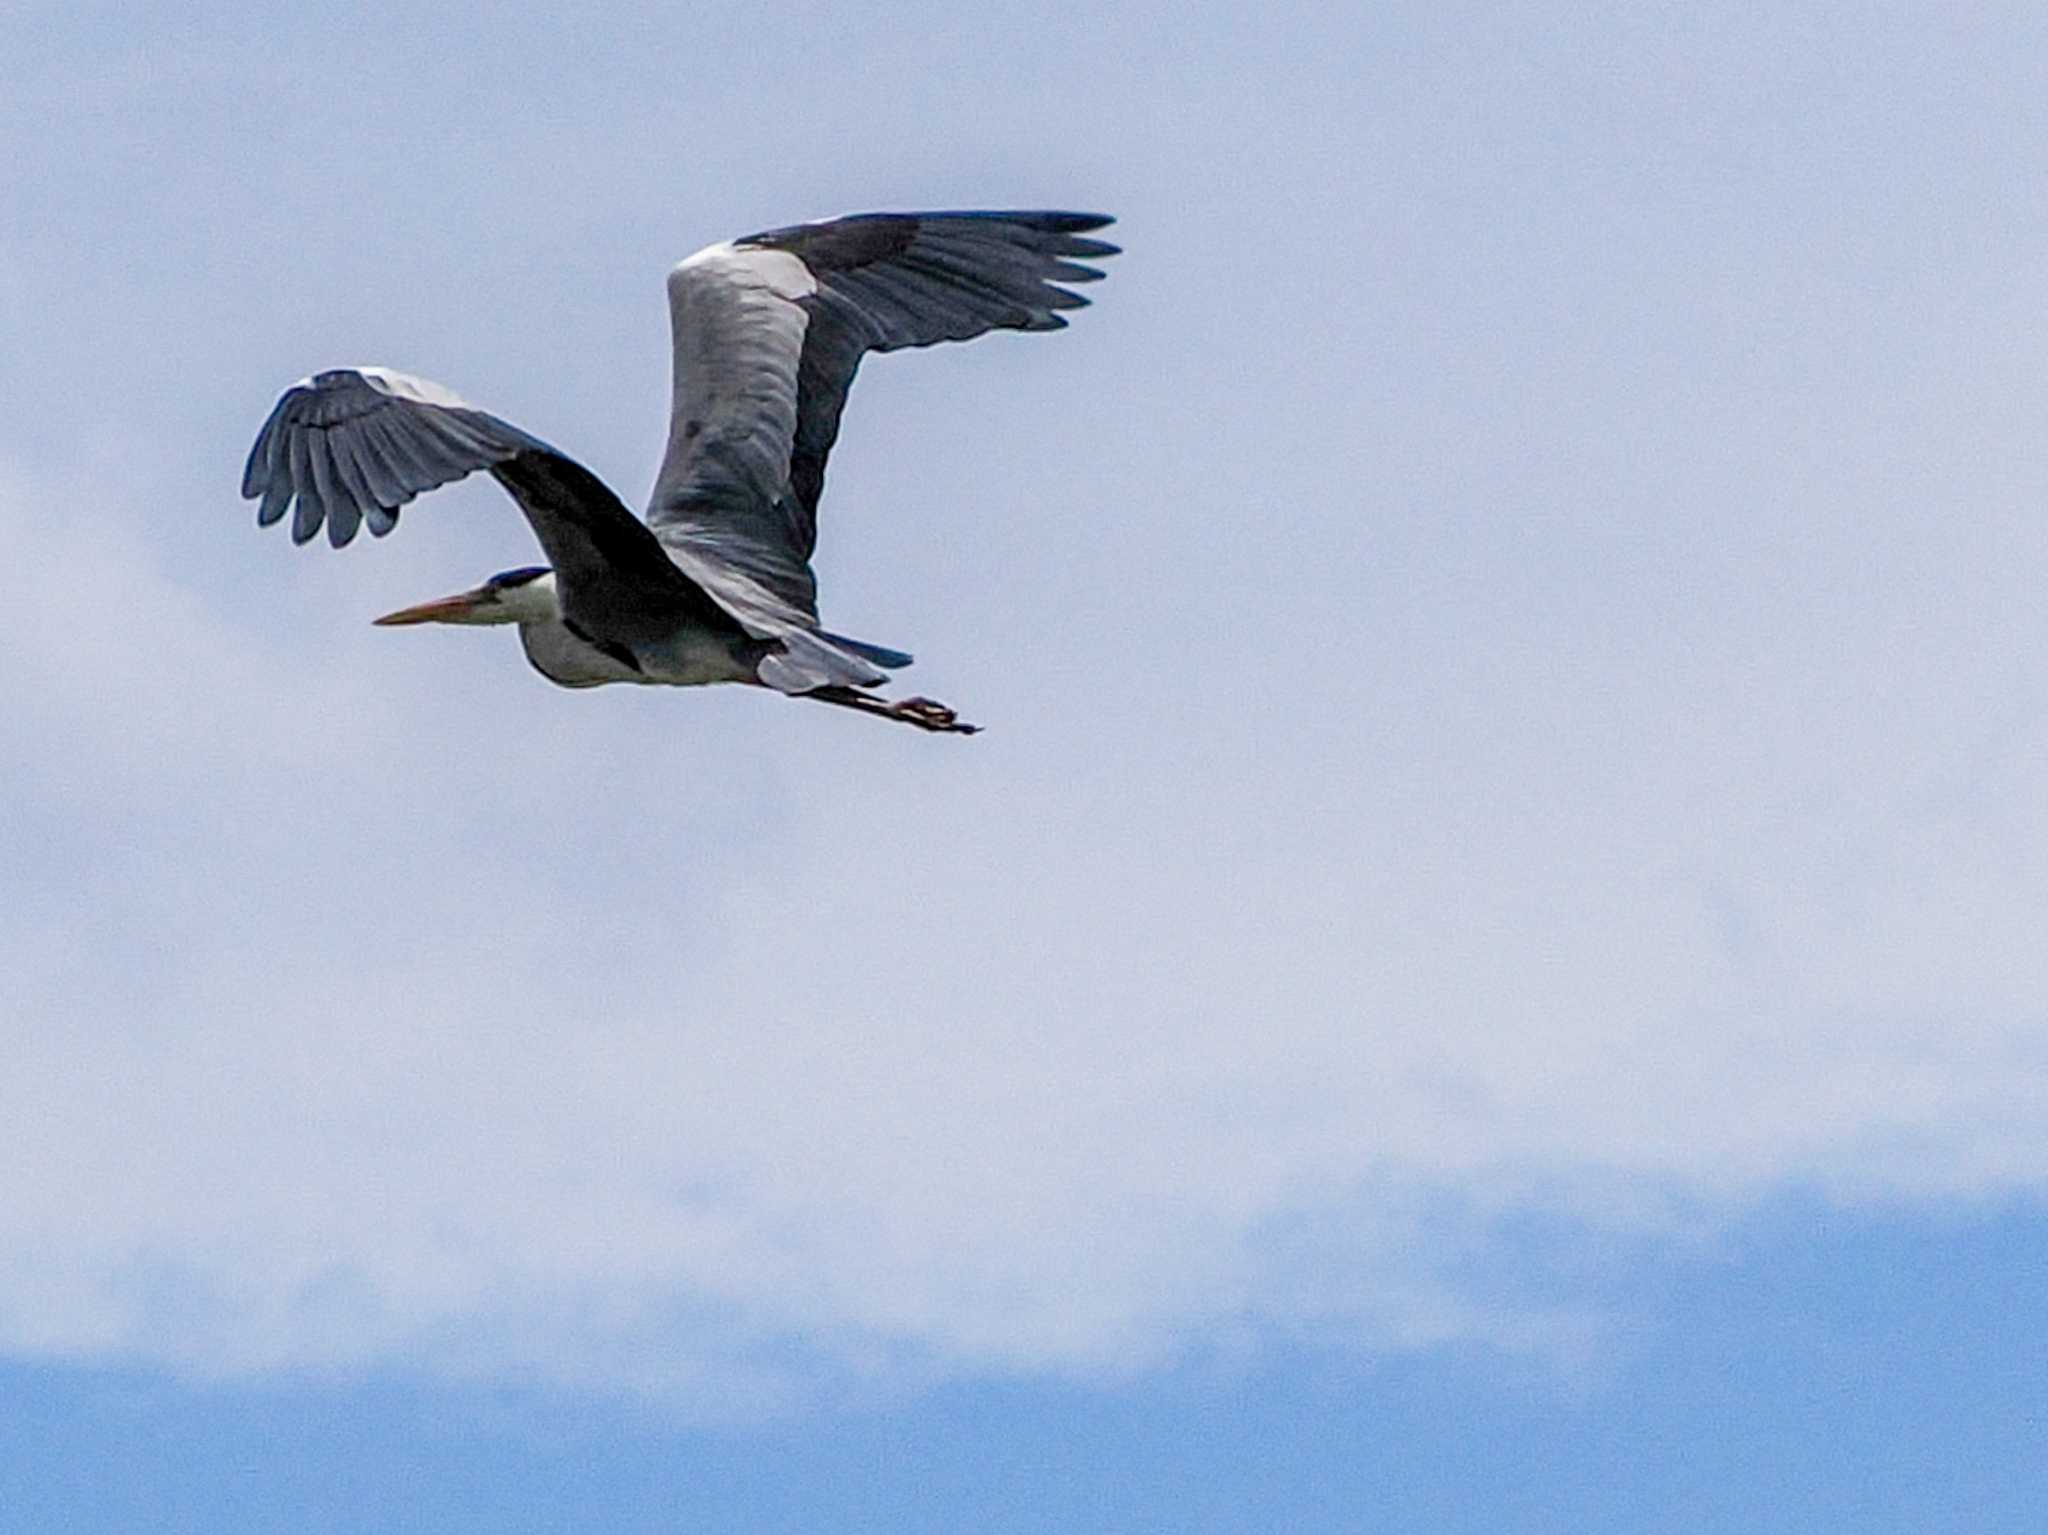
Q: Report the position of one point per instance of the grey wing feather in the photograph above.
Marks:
(769, 331)
(353, 445)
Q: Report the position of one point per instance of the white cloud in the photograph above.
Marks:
(1510, 641)
(375, 1006)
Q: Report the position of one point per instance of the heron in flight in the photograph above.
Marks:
(716, 584)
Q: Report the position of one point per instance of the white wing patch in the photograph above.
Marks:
(778, 271)
(403, 386)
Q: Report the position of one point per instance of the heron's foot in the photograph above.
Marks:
(924, 713)
(928, 714)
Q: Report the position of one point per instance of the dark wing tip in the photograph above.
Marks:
(252, 478)
(1057, 220)
(1067, 231)
(265, 465)
(1051, 221)
(1079, 223)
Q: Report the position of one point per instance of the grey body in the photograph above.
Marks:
(688, 655)
(716, 585)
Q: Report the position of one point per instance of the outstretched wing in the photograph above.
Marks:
(354, 445)
(768, 333)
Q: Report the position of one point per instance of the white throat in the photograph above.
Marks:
(531, 602)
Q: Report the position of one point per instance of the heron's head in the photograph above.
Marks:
(525, 596)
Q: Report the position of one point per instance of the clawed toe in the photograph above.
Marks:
(924, 713)
(928, 714)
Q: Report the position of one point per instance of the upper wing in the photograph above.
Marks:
(768, 333)
(353, 445)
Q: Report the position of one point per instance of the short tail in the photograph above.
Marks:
(881, 655)
(809, 659)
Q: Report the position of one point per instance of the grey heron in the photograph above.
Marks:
(716, 584)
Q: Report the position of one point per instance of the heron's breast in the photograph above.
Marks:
(692, 658)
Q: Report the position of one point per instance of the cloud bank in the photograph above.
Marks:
(1510, 638)
(374, 1006)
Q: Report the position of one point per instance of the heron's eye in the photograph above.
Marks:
(506, 579)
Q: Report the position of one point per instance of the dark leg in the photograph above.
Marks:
(921, 712)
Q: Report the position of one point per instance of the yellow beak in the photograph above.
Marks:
(442, 610)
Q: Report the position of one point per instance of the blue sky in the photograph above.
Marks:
(1804, 1390)
(1485, 973)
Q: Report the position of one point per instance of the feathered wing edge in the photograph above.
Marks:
(769, 331)
(354, 445)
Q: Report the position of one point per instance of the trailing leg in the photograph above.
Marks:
(921, 712)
